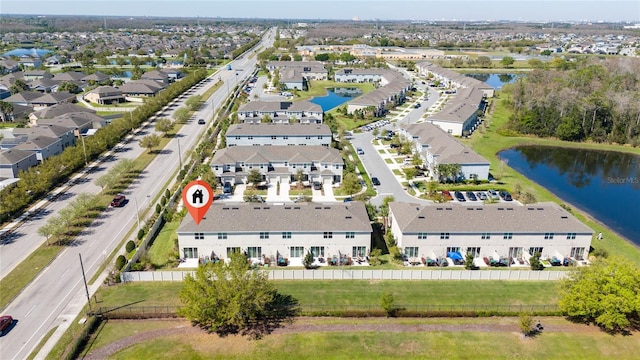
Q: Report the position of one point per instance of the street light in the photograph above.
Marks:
(179, 153)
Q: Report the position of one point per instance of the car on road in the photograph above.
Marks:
(360, 151)
(416, 106)
(375, 181)
(201, 122)
(118, 200)
(227, 188)
(471, 196)
(493, 195)
(5, 323)
(504, 194)
(460, 196)
(317, 185)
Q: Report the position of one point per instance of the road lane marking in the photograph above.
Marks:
(64, 273)
(30, 311)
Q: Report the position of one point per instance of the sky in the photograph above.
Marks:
(434, 10)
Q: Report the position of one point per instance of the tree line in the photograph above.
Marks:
(591, 99)
(38, 180)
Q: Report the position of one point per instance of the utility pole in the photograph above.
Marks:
(84, 278)
(179, 153)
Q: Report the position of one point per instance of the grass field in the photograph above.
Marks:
(358, 292)
(559, 340)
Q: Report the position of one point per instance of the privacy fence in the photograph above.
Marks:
(509, 275)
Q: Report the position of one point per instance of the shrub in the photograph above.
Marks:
(158, 208)
(130, 246)
(308, 261)
(120, 262)
(387, 301)
(140, 234)
(535, 262)
(526, 324)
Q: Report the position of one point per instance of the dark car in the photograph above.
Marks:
(118, 201)
(417, 105)
(317, 185)
(375, 181)
(5, 323)
(201, 122)
(471, 196)
(394, 145)
(504, 194)
(460, 196)
(227, 188)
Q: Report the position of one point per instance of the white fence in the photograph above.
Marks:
(509, 275)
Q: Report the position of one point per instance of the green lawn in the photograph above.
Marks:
(163, 245)
(581, 342)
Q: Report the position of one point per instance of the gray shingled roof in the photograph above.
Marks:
(495, 218)
(273, 106)
(269, 129)
(39, 142)
(236, 154)
(12, 156)
(43, 130)
(249, 217)
(444, 146)
(61, 109)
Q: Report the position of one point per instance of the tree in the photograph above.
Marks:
(70, 87)
(299, 178)
(507, 61)
(225, 298)
(351, 183)
(6, 110)
(526, 324)
(254, 177)
(388, 304)
(307, 261)
(194, 102)
(181, 115)
(535, 262)
(164, 125)
(468, 262)
(150, 141)
(410, 173)
(606, 293)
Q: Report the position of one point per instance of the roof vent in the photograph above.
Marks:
(318, 207)
(296, 208)
(540, 208)
(448, 208)
(256, 208)
(439, 208)
(348, 217)
(509, 208)
(287, 207)
(225, 208)
(530, 209)
(564, 217)
(500, 208)
(469, 208)
(234, 208)
(266, 208)
(479, 208)
(327, 207)
(420, 217)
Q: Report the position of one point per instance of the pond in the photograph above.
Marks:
(605, 184)
(336, 97)
(23, 51)
(496, 80)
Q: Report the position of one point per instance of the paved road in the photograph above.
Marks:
(57, 295)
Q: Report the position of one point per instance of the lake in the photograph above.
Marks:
(22, 51)
(495, 80)
(605, 184)
(336, 97)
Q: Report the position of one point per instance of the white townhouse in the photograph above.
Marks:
(278, 231)
(450, 78)
(12, 161)
(281, 112)
(276, 134)
(460, 114)
(391, 91)
(311, 70)
(278, 163)
(489, 232)
(436, 147)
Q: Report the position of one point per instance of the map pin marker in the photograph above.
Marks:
(197, 197)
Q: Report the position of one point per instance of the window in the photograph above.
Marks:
(308, 137)
(534, 250)
(422, 236)
(486, 236)
(350, 235)
(507, 236)
(317, 251)
(254, 251)
(222, 236)
(250, 137)
(515, 252)
(232, 250)
(453, 249)
(548, 236)
(273, 137)
(285, 137)
(264, 235)
(286, 235)
(571, 236)
(444, 236)
(474, 251)
(297, 251)
(199, 236)
(359, 251)
(577, 253)
(328, 235)
(319, 137)
(190, 253)
(411, 251)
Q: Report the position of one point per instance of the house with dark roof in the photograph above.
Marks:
(97, 77)
(65, 134)
(436, 147)
(57, 110)
(141, 88)
(49, 99)
(105, 95)
(281, 112)
(490, 233)
(80, 122)
(391, 91)
(287, 231)
(278, 134)
(13, 161)
(278, 164)
(23, 98)
(43, 146)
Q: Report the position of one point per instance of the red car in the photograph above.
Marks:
(118, 201)
(447, 195)
(5, 322)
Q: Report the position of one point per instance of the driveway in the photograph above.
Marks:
(272, 193)
(328, 194)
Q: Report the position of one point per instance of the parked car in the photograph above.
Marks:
(471, 196)
(360, 151)
(417, 105)
(118, 200)
(493, 195)
(347, 199)
(227, 188)
(5, 323)
(375, 181)
(504, 194)
(460, 196)
(394, 145)
(317, 185)
(447, 195)
(201, 122)
(481, 195)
